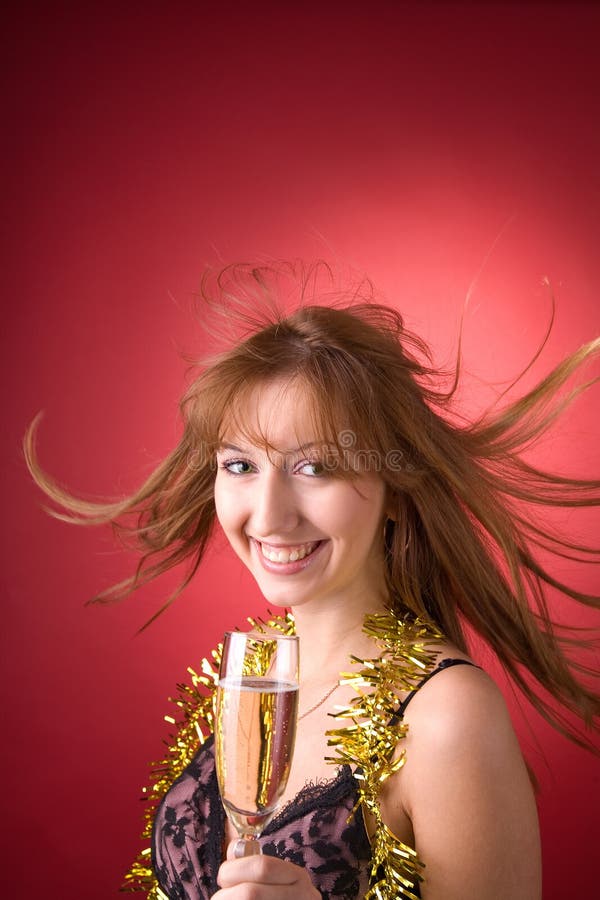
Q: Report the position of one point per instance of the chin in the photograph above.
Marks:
(283, 599)
(278, 604)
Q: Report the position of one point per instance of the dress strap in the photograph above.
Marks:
(443, 664)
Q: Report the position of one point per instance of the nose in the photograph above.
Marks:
(276, 511)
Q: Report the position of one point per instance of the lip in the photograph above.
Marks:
(289, 568)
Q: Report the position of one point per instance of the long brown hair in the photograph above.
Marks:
(461, 541)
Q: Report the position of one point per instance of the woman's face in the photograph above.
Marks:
(305, 535)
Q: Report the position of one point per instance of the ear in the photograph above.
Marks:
(388, 530)
(391, 504)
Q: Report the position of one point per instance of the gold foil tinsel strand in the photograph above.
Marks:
(370, 743)
(192, 726)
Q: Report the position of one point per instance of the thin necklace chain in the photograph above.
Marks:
(319, 702)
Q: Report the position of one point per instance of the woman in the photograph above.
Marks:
(332, 458)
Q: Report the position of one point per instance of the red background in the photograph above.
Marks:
(404, 140)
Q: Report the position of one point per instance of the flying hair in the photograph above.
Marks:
(464, 543)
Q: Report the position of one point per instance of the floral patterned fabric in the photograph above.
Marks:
(316, 829)
(312, 831)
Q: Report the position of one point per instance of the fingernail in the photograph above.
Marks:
(239, 849)
(246, 847)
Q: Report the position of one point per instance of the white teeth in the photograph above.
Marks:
(285, 556)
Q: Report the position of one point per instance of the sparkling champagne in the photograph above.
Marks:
(255, 733)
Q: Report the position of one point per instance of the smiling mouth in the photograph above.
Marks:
(287, 554)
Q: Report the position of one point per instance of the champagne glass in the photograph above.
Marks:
(255, 728)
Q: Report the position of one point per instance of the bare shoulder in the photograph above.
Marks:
(459, 699)
(466, 791)
(458, 718)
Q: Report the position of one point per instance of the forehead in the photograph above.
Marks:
(279, 413)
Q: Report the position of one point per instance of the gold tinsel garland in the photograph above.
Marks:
(192, 727)
(369, 744)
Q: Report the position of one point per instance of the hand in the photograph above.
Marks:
(263, 878)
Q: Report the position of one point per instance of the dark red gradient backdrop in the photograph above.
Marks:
(428, 145)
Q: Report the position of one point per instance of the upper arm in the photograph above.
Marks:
(467, 793)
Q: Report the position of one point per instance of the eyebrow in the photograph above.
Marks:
(223, 445)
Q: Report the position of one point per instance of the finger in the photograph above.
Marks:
(266, 870)
(263, 892)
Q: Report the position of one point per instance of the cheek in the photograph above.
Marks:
(360, 514)
(370, 524)
(225, 506)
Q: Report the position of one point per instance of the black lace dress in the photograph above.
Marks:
(311, 831)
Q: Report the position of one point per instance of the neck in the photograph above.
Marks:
(333, 633)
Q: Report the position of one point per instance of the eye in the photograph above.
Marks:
(312, 468)
(236, 466)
